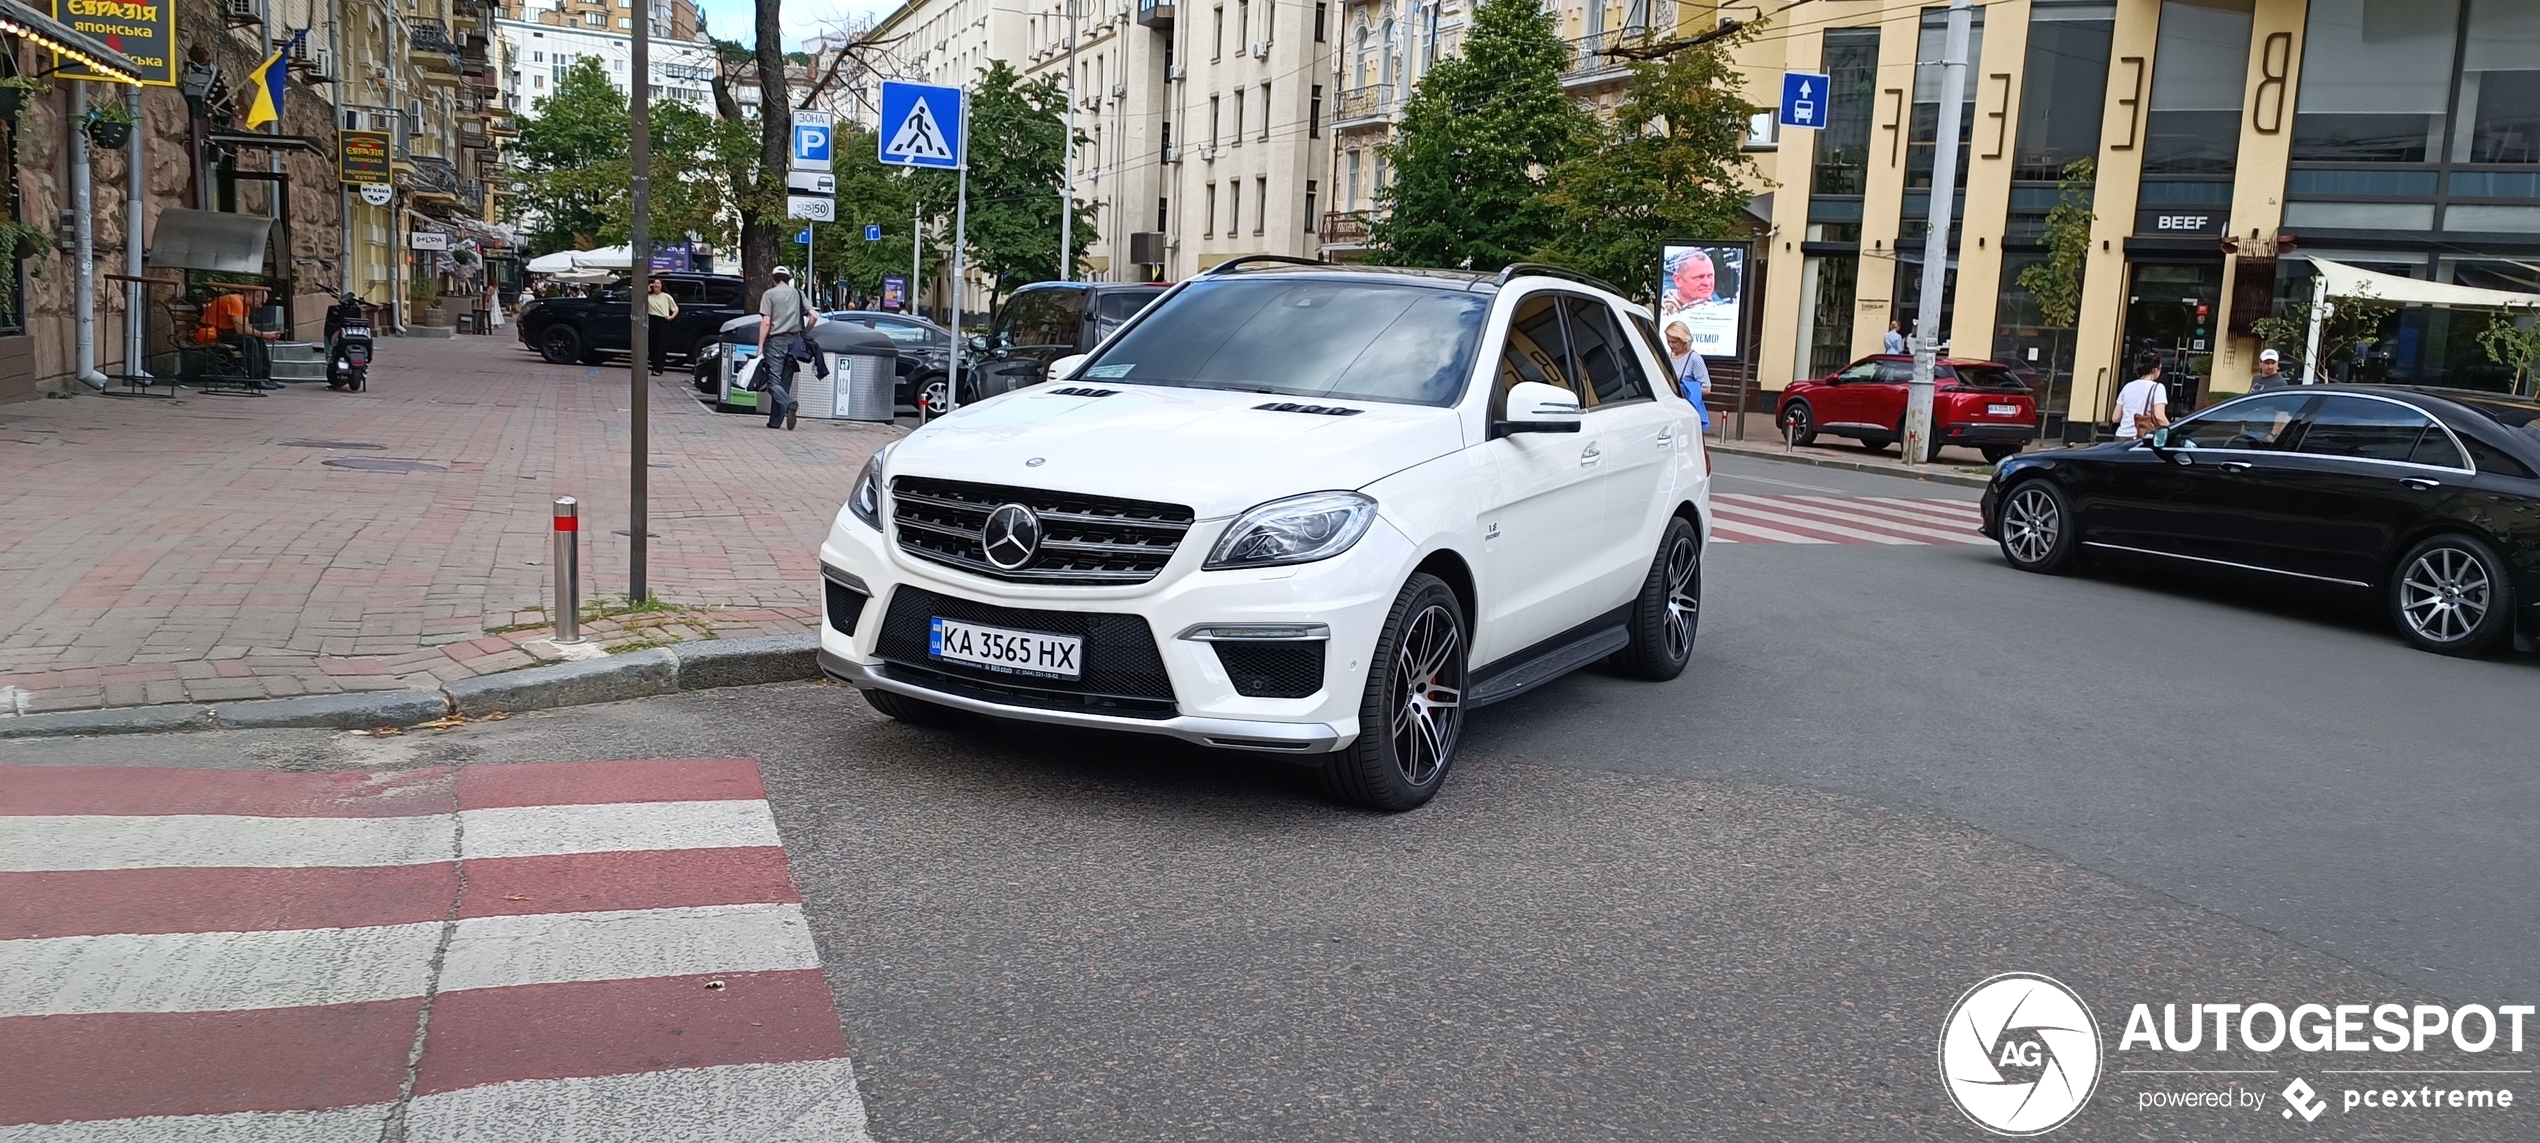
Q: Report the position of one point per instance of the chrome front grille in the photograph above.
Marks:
(1084, 539)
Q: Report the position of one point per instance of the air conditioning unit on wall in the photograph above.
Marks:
(1261, 50)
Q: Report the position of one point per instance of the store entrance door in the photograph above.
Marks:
(2171, 310)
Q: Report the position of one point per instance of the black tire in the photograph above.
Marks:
(2036, 529)
(560, 345)
(1668, 612)
(1412, 707)
(1996, 454)
(1868, 445)
(2452, 595)
(915, 712)
(1798, 423)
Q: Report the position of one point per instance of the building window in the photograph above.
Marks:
(1309, 206)
(1314, 113)
(1168, 146)
(1163, 214)
(1265, 112)
(1922, 148)
(1212, 122)
(1351, 202)
(2201, 63)
(1234, 205)
(2375, 77)
(1239, 117)
(1243, 24)
(1211, 226)
(1260, 204)
(1217, 37)
(1322, 16)
(595, 19)
(2500, 86)
(1843, 148)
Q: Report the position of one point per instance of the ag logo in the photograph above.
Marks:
(2020, 1053)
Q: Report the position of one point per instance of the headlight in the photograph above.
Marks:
(866, 500)
(1297, 530)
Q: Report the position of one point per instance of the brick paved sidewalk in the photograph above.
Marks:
(205, 550)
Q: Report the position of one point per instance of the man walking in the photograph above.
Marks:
(2269, 375)
(659, 308)
(782, 317)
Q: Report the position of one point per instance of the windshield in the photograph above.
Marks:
(1376, 341)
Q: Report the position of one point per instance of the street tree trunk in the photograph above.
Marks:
(761, 229)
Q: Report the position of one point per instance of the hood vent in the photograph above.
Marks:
(1318, 410)
(1081, 391)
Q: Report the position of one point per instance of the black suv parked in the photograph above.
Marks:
(565, 330)
(1046, 321)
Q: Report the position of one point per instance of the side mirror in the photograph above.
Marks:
(1064, 369)
(1534, 407)
(978, 343)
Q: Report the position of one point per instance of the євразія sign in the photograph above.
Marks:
(143, 30)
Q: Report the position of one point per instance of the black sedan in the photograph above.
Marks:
(2427, 496)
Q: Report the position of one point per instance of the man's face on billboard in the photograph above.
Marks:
(1695, 280)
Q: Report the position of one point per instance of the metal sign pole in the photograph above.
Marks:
(638, 310)
(1944, 193)
(961, 235)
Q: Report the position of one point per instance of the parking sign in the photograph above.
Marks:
(813, 138)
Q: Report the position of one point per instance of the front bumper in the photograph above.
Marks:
(1350, 594)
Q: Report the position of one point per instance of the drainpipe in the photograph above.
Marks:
(132, 180)
(83, 243)
(343, 191)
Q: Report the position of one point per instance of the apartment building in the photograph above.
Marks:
(544, 40)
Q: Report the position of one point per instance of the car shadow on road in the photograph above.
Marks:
(2356, 610)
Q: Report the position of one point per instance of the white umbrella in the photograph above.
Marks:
(556, 263)
(605, 258)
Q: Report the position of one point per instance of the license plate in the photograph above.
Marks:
(2002, 410)
(1005, 649)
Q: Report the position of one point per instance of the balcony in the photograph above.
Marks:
(1156, 14)
(1361, 107)
(1588, 62)
(1345, 227)
(429, 47)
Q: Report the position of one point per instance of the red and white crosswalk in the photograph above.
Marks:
(553, 951)
(1746, 519)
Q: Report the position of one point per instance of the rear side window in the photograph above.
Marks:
(1605, 361)
(2436, 448)
(1990, 378)
(2494, 460)
(2368, 430)
(723, 293)
(1041, 318)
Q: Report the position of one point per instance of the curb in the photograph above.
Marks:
(706, 665)
(1961, 479)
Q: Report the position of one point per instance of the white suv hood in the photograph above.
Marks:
(1211, 449)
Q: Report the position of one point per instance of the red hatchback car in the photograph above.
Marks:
(1981, 405)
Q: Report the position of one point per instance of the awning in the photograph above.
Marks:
(2343, 281)
(19, 20)
(208, 240)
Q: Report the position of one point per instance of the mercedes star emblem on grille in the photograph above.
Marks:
(1011, 536)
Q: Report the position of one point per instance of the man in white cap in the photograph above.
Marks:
(2269, 375)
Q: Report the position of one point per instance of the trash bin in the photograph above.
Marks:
(866, 386)
(467, 323)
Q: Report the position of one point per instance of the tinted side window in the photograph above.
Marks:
(1989, 378)
(723, 293)
(1112, 311)
(1041, 317)
(2365, 428)
(1862, 372)
(1605, 360)
(1535, 351)
(2436, 448)
(1895, 372)
(2259, 423)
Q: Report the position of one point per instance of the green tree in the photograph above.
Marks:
(2056, 282)
(2349, 326)
(1668, 165)
(1018, 160)
(581, 126)
(1477, 139)
(2513, 341)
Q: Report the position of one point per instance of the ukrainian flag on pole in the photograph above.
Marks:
(265, 106)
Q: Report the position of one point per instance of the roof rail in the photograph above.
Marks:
(1247, 259)
(1539, 269)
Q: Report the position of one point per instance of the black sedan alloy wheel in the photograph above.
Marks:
(2037, 528)
(2450, 596)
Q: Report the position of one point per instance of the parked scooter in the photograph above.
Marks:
(348, 345)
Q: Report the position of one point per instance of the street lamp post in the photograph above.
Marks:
(1067, 178)
(1944, 194)
(639, 240)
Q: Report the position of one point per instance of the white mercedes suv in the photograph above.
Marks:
(1291, 507)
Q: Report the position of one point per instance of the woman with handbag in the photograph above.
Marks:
(2144, 403)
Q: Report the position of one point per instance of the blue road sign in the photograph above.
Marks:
(873, 232)
(812, 141)
(802, 237)
(1803, 99)
(921, 125)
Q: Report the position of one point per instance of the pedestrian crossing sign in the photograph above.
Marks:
(921, 125)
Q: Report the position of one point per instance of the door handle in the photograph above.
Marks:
(1667, 439)
(2420, 484)
(2233, 466)
(1591, 456)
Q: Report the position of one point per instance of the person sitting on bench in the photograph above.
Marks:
(225, 322)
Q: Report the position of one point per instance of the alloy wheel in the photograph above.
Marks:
(1428, 687)
(2030, 525)
(1684, 598)
(1795, 421)
(2445, 594)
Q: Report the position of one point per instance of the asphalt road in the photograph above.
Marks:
(1735, 906)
